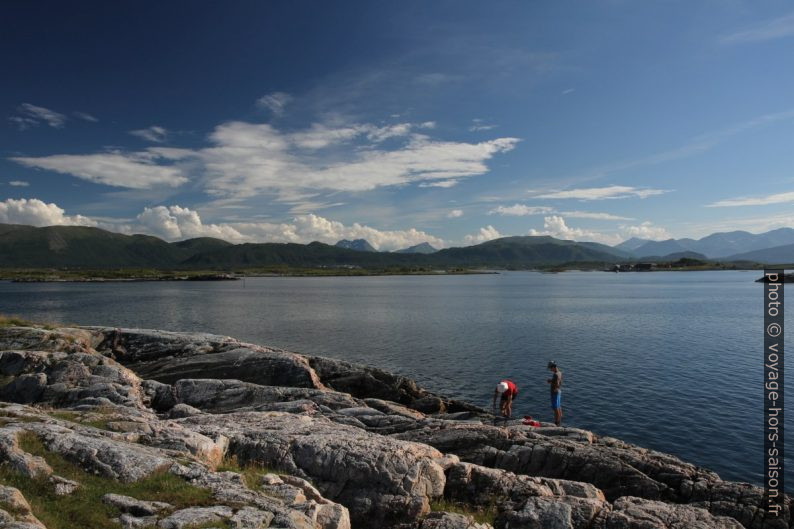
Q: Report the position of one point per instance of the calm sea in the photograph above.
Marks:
(670, 361)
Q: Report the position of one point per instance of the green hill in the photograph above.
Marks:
(84, 247)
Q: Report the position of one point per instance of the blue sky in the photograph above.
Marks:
(452, 122)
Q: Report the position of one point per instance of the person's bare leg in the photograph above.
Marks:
(558, 416)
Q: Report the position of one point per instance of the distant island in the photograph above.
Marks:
(86, 253)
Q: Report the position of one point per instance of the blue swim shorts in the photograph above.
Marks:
(556, 400)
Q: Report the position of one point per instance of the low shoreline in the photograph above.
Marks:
(354, 446)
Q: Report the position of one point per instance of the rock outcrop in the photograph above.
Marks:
(271, 438)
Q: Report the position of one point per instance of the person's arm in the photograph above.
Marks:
(555, 382)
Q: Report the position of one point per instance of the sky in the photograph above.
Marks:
(451, 122)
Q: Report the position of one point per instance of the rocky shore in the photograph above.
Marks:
(144, 428)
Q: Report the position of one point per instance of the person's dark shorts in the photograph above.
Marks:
(556, 400)
(504, 397)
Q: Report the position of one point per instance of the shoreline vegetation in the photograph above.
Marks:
(104, 275)
(107, 427)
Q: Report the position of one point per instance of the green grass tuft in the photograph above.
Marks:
(252, 473)
(84, 507)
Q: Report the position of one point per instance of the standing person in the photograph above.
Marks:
(555, 383)
(508, 391)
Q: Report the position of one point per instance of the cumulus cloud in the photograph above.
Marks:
(646, 230)
(603, 193)
(776, 198)
(175, 222)
(556, 226)
(487, 233)
(32, 115)
(275, 102)
(455, 213)
(34, 212)
(138, 170)
(18, 183)
(155, 134)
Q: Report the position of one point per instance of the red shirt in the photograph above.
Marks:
(512, 389)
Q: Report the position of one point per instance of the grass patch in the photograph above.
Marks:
(15, 321)
(7, 418)
(84, 507)
(484, 514)
(78, 418)
(252, 473)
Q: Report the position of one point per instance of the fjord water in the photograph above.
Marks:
(669, 360)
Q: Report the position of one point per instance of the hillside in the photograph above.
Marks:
(777, 255)
(418, 248)
(82, 247)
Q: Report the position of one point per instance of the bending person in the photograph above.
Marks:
(508, 391)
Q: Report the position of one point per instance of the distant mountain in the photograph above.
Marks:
(86, 247)
(612, 250)
(716, 245)
(522, 252)
(202, 244)
(657, 248)
(676, 256)
(777, 255)
(631, 244)
(418, 248)
(359, 245)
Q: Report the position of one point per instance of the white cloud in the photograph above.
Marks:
(521, 210)
(603, 193)
(555, 226)
(275, 102)
(646, 230)
(487, 233)
(777, 198)
(32, 115)
(137, 170)
(52, 118)
(455, 213)
(18, 183)
(85, 116)
(175, 222)
(34, 212)
(593, 215)
(568, 91)
(250, 159)
(154, 134)
(452, 182)
(771, 29)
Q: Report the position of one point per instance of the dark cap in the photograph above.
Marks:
(551, 364)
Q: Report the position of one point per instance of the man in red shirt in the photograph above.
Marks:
(508, 391)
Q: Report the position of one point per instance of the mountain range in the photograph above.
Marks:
(85, 247)
(727, 246)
